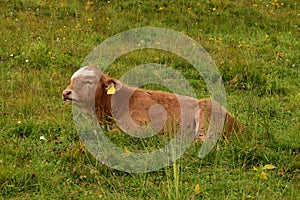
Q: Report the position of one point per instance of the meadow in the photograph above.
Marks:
(255, 45)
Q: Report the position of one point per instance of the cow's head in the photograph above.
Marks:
(87, 85)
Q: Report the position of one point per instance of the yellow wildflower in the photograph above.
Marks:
(263, 176)
(280, 54)
(219, 39)
(127, 152)
(197, 189)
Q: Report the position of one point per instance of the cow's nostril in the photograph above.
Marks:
(67, 92)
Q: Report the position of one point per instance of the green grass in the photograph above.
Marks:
(256, 46)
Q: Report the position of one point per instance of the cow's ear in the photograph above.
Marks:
(112, 86)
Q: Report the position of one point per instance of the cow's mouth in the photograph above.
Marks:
(69, 99)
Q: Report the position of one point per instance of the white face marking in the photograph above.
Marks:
(84, 72)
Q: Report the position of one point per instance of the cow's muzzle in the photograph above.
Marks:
(66, 96)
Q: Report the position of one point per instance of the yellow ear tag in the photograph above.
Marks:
(111, 90)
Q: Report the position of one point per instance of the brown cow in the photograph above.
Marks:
(133, 109)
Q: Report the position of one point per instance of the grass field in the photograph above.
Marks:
(255, 45)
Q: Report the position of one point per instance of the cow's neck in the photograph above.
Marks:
(121, 98)
(103, 106)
